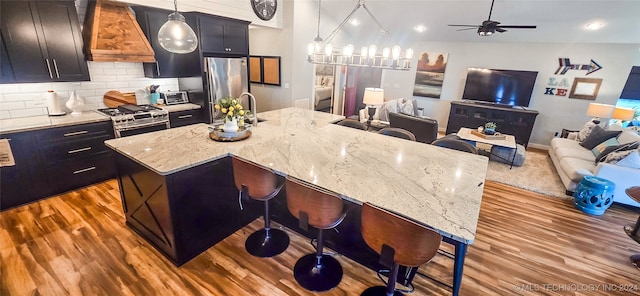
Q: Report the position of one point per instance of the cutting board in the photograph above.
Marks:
(114, 98)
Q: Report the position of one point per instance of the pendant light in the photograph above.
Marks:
(175, 35)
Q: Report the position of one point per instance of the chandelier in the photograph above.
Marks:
(322, 52)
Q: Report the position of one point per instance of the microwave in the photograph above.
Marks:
(175, 97)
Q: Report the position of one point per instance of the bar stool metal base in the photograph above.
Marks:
(635, 260)
(379, 291)
(318, 279)
(257, 244)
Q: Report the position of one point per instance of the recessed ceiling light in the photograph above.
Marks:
(420, 28)
(354, 22)
(594, 26)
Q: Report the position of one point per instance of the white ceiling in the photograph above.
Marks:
(560, 21)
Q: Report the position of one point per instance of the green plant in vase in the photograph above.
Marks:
(490, 128)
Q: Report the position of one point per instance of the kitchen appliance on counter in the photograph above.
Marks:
(225, 77)
(175, 97)
(131, 120)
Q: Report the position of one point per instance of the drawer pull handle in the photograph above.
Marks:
(49, 68)
(55, 66)
(79, 150)
(84, 170)
(185, 116)
(75, 133)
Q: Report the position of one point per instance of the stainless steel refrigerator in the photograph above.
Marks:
(225, 77)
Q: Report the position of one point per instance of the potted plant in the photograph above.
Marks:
(490, 128)
(233, 113)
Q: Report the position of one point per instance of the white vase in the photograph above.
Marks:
(75, 104)
(230, 126)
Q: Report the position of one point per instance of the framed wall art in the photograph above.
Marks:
(585, 88)
(271, 70)
(255, 72)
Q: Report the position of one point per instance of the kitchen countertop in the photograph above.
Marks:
(432, 185)
(44, 121)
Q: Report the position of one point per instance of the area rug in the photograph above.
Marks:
(537, 174)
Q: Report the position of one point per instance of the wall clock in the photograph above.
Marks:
(264, 9)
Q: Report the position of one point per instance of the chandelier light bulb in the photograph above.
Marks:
(386, 52)
(328, 49)
(363, 52)
(310, 49)
(395, 52)
(347, 50)
(409, 54)
(372, 51)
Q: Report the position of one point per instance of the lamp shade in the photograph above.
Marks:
(373, 96)
(600, 110)
(176, 36)
(622, 114)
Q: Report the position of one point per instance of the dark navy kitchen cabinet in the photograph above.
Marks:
(43, 41)
(223, 36)
(55, 160)
(186, 117)
(167, 65)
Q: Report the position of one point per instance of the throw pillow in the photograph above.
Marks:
(623, 147)
(597, 136)
(387, 108)
(405, 106)
(614, 157)
(585, 131)
(632, 160)
(602, 146)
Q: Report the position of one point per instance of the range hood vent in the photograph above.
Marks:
(112, 34)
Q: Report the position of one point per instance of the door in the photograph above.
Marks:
(235, 38)
(20, 31)
(357, 80)
(61, 31)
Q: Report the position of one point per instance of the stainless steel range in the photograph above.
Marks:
(131, 120)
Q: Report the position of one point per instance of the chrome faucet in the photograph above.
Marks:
(254, 107)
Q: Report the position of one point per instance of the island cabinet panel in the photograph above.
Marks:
(184, 213)
(43, 41)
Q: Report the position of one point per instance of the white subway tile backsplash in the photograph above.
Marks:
(12, 106)
(115, 71)
(27, 112)
(27, 99)
(9, 88)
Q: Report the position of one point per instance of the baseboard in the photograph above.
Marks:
(538, 146)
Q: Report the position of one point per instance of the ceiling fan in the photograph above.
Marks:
(488, 27)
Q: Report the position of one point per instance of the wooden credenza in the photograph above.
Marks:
(513, 121)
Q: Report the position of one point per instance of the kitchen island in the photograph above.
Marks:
(178, 193)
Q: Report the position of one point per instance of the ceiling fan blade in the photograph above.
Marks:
(466, 29)
(500, 30)
(516, 27)
(475, 26)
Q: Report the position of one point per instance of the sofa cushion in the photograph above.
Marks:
(597, 136)
(585, 131)
(576, 168)
(570, 148)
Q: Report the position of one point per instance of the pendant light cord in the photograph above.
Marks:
(318, 39)
(175, 5)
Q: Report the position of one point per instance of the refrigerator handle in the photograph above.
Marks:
(211, 96)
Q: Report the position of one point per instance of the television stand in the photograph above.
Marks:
(513, 121)
(494, 104)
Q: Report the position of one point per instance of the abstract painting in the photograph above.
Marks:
(430, 74)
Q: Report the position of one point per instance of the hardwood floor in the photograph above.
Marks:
(77, 244)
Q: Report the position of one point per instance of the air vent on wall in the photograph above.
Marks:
(112, 34)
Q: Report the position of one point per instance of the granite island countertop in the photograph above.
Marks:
(435, 186)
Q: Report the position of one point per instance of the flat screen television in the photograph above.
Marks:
(502, 87)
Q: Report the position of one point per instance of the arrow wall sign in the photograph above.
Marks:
(565, 65)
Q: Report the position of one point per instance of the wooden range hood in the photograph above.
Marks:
(112, 34)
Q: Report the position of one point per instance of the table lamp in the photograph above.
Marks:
(372, 97)
(599, 111)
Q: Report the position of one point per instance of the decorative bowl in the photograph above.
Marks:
(220, 133)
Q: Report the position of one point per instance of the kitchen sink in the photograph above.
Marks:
(250, 120)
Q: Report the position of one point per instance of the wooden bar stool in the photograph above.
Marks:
(323, 210)
(399, 241)
(260, 184)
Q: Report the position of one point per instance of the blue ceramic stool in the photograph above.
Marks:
(594, 195)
